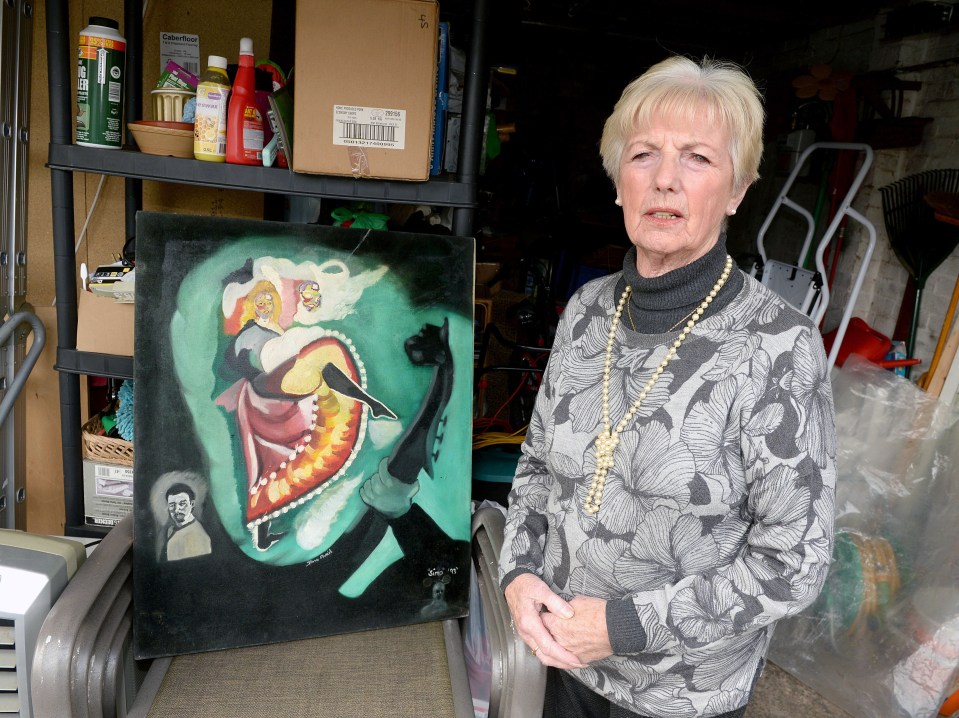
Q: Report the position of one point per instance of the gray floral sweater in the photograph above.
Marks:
(717, 518)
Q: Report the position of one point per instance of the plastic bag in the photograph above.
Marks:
(882, 640)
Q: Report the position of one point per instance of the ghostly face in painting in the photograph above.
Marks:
(310, 295)
(180, 506)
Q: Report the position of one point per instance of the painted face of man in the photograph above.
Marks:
(180, 507)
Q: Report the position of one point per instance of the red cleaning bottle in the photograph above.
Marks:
(244, 129)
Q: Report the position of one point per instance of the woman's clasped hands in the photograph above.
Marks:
(561, 634)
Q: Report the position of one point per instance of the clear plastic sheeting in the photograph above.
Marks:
(477, 650)
(882, 641)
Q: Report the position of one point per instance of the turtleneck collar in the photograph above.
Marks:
(657, 303)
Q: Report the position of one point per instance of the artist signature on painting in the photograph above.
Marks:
(438, 572)
(325, 554)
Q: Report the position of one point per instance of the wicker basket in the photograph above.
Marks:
(104, 448)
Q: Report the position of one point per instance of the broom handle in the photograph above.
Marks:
(915, 325)
(943, 336)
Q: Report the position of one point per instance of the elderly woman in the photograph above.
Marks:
(676, 492)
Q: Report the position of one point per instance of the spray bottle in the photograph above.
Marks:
(244, 133)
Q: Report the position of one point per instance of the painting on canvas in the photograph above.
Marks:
(302, 431)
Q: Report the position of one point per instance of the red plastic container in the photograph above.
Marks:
(862, 339)
(244, 125)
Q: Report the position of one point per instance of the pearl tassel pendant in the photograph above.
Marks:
(608, 438)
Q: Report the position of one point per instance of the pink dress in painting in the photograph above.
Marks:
(296, 433)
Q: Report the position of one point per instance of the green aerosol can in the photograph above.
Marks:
(100, 70)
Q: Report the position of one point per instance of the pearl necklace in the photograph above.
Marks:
(608, 439)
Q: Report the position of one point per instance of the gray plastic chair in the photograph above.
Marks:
(84, 661)
(84, 668)
(518, 678)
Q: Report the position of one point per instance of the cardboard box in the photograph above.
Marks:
(107, 492)
(488, 280)
(104, 326)
(365, 87)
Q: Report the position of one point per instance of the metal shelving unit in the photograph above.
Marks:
(443, 190)
(73, 361)
(65, 158)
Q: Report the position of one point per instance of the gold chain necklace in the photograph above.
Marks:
(629, 313)
(608, 439)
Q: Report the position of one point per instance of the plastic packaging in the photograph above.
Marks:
(270, 78)
(477, 651)
(358, 218)
(177, 77)
(244, 134)
(100, 68)
(264, 88)
(210, 114)
(882, 640)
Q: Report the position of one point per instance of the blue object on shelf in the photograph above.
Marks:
(496, 463)
(442, 99)
(125, 411)
(493, 470)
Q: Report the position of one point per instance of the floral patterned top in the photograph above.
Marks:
(717, 518)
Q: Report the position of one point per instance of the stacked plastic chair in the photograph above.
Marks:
(84, 667)
(518, 678)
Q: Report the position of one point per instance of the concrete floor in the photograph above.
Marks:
(779, 695)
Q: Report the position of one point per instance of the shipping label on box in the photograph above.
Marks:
(107, 492)
(369, 127)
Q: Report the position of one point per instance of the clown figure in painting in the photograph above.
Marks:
(298, 398)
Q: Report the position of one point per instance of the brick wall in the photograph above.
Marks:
(859, 47)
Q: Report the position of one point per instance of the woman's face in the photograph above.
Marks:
(676, 187)
(263, 303)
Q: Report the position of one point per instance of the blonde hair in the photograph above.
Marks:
(249, 302)
(678, 86)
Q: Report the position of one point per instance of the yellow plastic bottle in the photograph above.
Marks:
(212, 100)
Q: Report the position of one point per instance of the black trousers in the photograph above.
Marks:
(566, 697)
